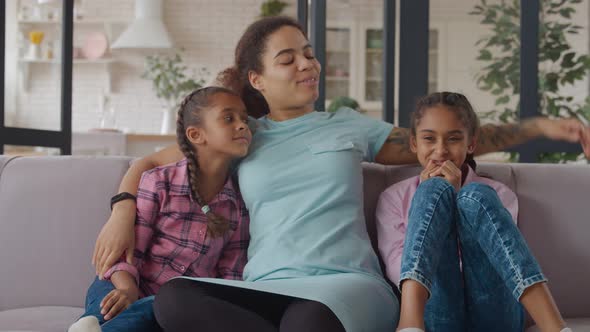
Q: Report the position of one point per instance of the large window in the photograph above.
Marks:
(354, 55)
(483, 49)
(36, 108)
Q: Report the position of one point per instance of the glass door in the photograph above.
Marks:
(338, 63)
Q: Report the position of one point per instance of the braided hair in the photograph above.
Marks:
(189, 114)
(458, 104)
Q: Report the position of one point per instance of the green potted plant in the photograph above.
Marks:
(272, 8)
(171, 82)
(344, 101)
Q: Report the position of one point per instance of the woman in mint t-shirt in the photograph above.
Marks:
(311, 266)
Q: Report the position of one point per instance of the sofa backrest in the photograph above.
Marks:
(51, 210)
(553, 217)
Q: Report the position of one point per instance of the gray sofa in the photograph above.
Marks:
(52, 208)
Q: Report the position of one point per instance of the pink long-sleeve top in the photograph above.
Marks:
(392, 217)
(171, 232)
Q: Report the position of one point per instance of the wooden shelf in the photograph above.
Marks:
(338, 51)
(337, 78)
(148, 137)
(25, 71)
(76, 61)
(89, 22)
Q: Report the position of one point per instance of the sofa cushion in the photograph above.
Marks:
(51, 210)
(43, 319)
(553, 217)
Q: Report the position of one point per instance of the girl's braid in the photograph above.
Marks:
(189, 112)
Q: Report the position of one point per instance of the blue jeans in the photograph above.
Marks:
(497, 265)
(138, 317)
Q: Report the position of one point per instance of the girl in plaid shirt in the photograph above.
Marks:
(191, 220)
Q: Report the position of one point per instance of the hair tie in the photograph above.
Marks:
(205, 209)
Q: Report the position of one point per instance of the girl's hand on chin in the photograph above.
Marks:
(425, 174)
(449, 172)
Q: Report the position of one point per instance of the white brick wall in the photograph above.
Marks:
(207, 30)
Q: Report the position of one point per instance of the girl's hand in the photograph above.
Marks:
(449, 172)
(116, 301)
(116, 237)
(425, 174)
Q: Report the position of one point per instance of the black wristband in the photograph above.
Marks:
(121, 197)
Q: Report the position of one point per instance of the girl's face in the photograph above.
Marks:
(224, 129)
(441, 136)
(291, 72)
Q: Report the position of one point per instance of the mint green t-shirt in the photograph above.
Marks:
(302, 183)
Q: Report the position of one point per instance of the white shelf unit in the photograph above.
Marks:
(26, 64)
(371, 66)
(355, 79)
(106, 25)
(341, 55)
(366, 63)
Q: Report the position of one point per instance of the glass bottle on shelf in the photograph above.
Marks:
(108, 118)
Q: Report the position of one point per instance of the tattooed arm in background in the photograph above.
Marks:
(396, 149)
(496, 138)
(492, 138)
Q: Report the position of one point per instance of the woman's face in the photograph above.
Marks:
(291, 72)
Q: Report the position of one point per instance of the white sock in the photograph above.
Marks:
(567, 329)
(411, 329)
(86, 324)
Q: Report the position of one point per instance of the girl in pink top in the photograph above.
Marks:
(448, 236)
(191, 220)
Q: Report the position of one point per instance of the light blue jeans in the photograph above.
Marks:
(138, 317)
(497, 265)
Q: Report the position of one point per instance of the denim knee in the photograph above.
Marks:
(435, 186)
(430, 195)
(475, 196)
(478, 194)
(477, 190)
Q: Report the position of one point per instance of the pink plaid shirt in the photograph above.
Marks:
(393, 209)
(171, 232)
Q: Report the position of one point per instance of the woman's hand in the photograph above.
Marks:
(117, 236)
(586, 142)
(449, 172)
(570, 130)
(116, 301)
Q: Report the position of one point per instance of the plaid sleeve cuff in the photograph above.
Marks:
(123, 266)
